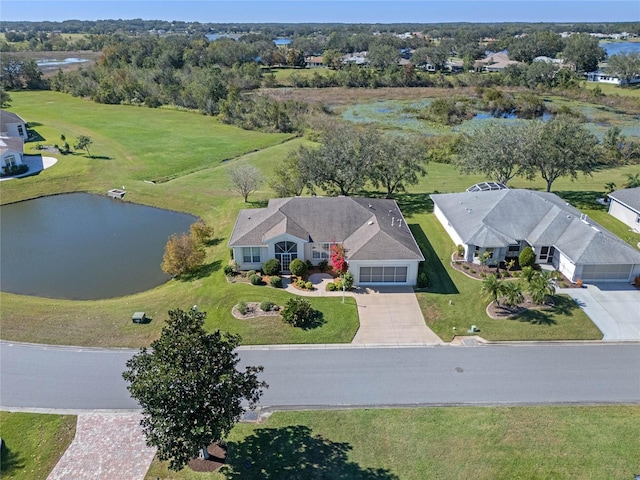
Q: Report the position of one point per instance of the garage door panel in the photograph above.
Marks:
(606, 273)
(386, 274)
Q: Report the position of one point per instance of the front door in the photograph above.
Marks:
(285, 261)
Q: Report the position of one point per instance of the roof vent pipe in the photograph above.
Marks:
(393, 219)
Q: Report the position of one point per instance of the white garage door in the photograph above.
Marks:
(383, 274)
(606, 273)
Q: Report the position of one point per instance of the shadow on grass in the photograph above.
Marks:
(439, 279)
(11, 461)
(202, 272)
(564, 305)
(315, 321)
(100, 157)
(291, 453)
(536, 317)
(212, 242)
(33, 135)
(414, 203)
(583, 200)
(258, 203)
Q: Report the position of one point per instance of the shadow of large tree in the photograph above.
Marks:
(10, 461)
(294, 453)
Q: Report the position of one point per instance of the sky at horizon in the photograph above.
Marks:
(325, 11)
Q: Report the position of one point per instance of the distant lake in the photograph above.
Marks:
(613, 48)
(216, 36)
(82, 247)
(47, 62)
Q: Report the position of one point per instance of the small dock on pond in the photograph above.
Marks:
(116, 193)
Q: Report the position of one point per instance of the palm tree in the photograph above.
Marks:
(633, 181)
(528, 273)
(492, 287)
(512, 292)
(541, 286)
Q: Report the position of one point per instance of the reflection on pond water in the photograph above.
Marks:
(82, 246)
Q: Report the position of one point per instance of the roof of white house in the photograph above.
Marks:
(11, 143)
(9, 117)
(369, 228)
(630, 197)
(502, 217)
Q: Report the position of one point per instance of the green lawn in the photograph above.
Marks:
(480, 443)
(186, 150)
(33, 443)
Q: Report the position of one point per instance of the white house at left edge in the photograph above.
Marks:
(13, 133)
(378, 243)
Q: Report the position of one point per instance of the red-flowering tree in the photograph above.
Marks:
(338, 262)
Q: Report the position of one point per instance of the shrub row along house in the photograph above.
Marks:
(503, 222)
(379, 246)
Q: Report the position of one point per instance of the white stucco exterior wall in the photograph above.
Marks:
(624, 214)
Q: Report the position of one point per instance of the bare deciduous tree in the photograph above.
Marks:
(246, 179)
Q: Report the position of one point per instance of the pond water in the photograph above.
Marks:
(613, 48)
(83, 247)
(47, 62)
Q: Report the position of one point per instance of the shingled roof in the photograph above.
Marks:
(369, 228)
(630, 197)
(503, 217)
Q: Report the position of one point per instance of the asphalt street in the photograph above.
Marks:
(68, 378)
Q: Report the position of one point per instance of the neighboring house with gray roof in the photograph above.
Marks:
(378, 244)
(625, 206)
(12, 125)
(503, 222)
(11, 153)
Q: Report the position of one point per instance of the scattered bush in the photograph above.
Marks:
(636, 281)
(460, 250)
(308, 286)
(482, 274)
(323, 266)
(423, 279)
(527, 257)
(299, 313)
(228, 270)
(348, 280)
(255, 279)
(331, 287)
(266, 306)
(242, 308)
(298, 267)
(465, 266)
(251, 273)
(309, 264)
(472, 271)
(275, 282)
(338, 284)
(271, 267)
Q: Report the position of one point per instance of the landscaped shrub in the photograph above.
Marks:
(228, 270)
(299, 313)
(242, 308)
(423, 279)
(338, 284)
(309, 264)
(323, 266)
(460, 250)
(250, 273)
(298, 267)
(271, 267)
(331, 287)
(527, 257)
(636, 281)
(275, 282)
(266, 306)
(308, 286)
(347, 280)
(255, 279)
(465, 266)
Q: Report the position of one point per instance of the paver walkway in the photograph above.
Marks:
(106, 446)
(388, 315)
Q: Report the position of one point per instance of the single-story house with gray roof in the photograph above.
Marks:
(11, 153)
(503, 222)
(379, 246)
(625, 206)
(12, 125)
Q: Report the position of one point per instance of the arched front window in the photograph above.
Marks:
(285, 252)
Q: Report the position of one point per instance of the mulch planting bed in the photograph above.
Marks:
(254, 310)
(500, 311)
(218, 455)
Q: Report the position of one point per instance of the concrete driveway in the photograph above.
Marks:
(613, 307)
(391, 315)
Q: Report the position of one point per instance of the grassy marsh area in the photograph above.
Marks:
(407, 444)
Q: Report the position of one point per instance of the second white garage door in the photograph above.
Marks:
(606, 273)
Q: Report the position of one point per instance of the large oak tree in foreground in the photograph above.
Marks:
(189, 388)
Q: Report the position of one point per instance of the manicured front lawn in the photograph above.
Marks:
(454, 300)
(33, 443)
(407, 444)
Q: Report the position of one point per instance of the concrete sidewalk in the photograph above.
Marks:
(106, 446)
(388, 315)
